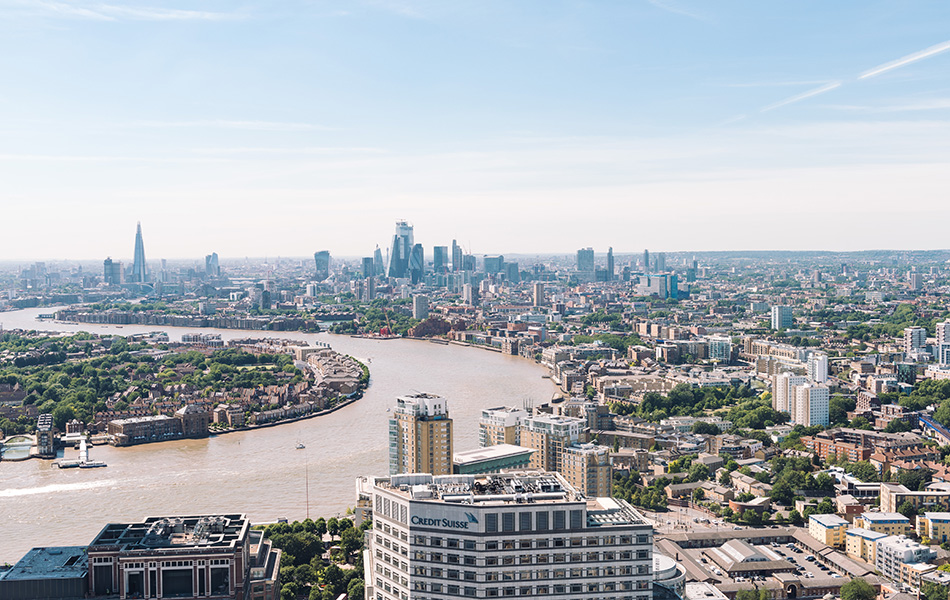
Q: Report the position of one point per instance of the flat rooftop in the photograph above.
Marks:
(59, 562)
(491, 453)
(175, 533)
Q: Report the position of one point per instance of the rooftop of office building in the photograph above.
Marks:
(513, 488)
(491, 453)
(60, 562)
(174, 533)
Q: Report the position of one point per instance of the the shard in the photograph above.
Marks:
(139, 271)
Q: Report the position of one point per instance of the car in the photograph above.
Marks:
(810, 558)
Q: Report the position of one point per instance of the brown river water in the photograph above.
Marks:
(260, 473)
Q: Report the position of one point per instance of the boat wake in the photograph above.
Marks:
(55, 488)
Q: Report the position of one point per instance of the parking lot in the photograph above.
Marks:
(805, 564)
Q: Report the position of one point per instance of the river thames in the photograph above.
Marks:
(255, 472)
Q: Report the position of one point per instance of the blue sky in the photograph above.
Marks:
(279, 128)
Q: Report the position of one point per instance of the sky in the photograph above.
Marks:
(281, 128)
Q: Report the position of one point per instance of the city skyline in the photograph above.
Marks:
(270, 131)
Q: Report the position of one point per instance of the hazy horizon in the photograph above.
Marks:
(262, 129)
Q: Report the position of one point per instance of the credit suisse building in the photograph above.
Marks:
(512, 534)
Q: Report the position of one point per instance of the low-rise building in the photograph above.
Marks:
(888, 523)
(828, 529)
(861, 543)
(934, 526)
(894, 551)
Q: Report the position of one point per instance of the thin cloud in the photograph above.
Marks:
(924, 105)
(111, 12)
(906, 60)
(247, 125)
(672, 8)
(810, 93)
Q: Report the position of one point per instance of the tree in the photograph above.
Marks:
(933, 591)
(782, 493)
(355, 590)
(321, 527)
(908, 510)
(858, 589)
(703, 428)
(698, 472)
(864, 471)
(333, 526)
(725, 478)
(795, 517)
(698, 494)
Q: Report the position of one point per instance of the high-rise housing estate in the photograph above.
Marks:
(782, 391)
(500, 425)
(942, 349)
(321, 262)
(525, 534)
(440, 259)
(549, 435)
(139, 269)
(782, 317)
(720, 349)
(610, 264)
(915, 338)
(400, 251)
(420, 435)
(585, 260)
(811, 404)
(587, 468)
(538, 299)
(420, 307)
(818, 367)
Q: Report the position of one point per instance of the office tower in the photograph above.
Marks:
(661, 262)
(782, 317)
(417, 263)
(811, 404)
(625, 274)
(549, 435)
(401, 249)
(440, 259)
(367, 267)
(321, 260)
(139, 270)
(585, 260)
(512, 273)
(538, 293)
(782, 392)
(456, 256)
(468, 263)
(500, 425)
(111, 272)
(818, 367)
(379, 266)
(610, 264)
(587, 468)
(690, 275)
(527, 534)
(646, 261)
(720, 349)
(211, 265)
(494, 264)
(420, 435)
(420, 307)
(915, 338)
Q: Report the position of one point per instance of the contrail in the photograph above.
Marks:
(819, 90)
(910, 58)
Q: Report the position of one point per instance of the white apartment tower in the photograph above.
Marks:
(420, 435)
(782, 385)
(818, 367)
(915, 338)
(810, 404)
